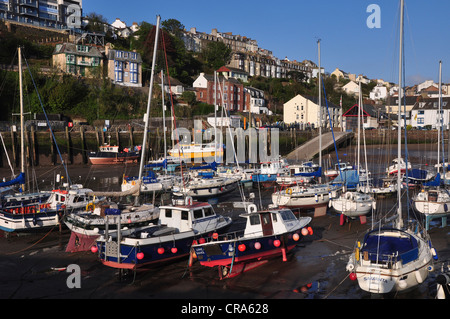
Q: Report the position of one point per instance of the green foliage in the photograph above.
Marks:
(216, 54)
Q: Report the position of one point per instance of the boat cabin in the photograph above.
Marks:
(268, 223)
(109, 148)
(187, 215)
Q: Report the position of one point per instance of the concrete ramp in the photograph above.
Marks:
(310, 149)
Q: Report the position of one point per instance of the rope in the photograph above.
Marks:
(336, 286)
(15, 252)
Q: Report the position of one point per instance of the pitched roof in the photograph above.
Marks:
(71, 48)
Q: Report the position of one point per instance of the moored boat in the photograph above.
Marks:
(110, 154)
(178, 226)
(267, 234)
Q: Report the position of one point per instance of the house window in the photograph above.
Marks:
(420, 120)
(70, 58)
(421, 112)
(133, 72)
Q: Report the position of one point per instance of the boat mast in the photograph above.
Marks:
(399, 130)
(22, 126)
(320, 112)
(164, 120)
(440, 114)
(147, 115)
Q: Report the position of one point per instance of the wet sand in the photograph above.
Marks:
(33, 266)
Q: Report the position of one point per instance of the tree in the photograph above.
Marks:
(216, 54)
(174, 27)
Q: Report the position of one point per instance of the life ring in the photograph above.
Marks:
(90, 207)
(124, 182)
(133, 183)
(289, 191)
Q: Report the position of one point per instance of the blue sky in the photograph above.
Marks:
(291, 28)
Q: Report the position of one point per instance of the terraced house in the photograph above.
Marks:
(124, 67)
(78, 59)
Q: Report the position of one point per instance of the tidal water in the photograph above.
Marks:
(314, 270)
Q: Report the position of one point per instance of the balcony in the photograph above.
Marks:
(29, 3)
(84, 63)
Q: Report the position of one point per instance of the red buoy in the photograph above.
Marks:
(241, 247)
(174, 250)
(352, 276)
(201, 241)
(140, 255)
(160, 250)
(276, 243)
(94, 249)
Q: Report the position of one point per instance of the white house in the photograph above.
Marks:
(379, 92)
(426, 113)
(119, 24)
(351, 88)
(255, 101)
(305, 111)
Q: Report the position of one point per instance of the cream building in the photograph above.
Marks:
(305, 111)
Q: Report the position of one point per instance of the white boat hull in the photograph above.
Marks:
(351, 206)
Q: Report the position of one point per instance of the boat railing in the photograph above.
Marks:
(389, 260)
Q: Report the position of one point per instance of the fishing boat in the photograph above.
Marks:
(392, 258)
(86, 226)
(178, 226)
(110, 154)
(267, 234)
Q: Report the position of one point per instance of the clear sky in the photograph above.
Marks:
(291, 28)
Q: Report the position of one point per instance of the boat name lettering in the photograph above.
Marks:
(375, 279)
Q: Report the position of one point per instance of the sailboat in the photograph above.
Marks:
(153, 181)
(171, 237)
(434, 200)
(25, 211)
(355, 203)
(392, 258)
(88, 225)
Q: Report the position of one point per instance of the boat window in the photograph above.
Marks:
(254, 219)
(168, 213)
(184, 215)
(287, 215)
(208, 211)
(198, 213)
(274, 217)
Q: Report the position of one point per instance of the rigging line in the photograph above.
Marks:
(173, 109)
(48, 122)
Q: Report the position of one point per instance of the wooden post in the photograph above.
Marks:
(34, 146)
(118, 138)
(28, 159)
(52, 148)
(69, 149)
(83, 145)
(130, 130)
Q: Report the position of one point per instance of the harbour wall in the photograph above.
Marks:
(74, 144)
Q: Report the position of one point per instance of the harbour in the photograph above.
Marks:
(315, 269)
